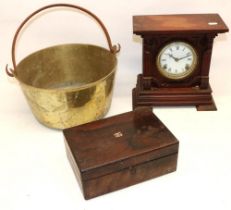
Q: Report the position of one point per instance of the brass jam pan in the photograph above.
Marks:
(67, 85)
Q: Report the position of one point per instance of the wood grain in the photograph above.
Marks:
(187, 23)
(97, 153)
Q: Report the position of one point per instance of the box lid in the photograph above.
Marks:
(187, 23)
(108, 145)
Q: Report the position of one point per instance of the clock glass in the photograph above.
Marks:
(177, 60)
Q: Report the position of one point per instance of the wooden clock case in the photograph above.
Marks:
(153, 89)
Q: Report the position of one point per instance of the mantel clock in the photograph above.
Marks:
(177, 52)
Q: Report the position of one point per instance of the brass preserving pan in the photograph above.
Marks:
(67, 85)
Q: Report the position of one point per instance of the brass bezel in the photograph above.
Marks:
(184, 74)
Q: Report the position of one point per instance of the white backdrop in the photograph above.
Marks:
(34, 171)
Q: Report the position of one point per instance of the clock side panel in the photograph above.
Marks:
(152, 45)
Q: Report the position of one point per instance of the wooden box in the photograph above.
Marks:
(120, 151)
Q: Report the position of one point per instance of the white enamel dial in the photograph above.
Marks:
(177, 60)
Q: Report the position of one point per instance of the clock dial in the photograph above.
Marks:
(177, 60)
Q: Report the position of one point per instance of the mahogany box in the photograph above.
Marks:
(113, 153)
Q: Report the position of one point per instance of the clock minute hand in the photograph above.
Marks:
(183, 57)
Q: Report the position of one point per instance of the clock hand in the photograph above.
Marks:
(170, 55)
(183, 57)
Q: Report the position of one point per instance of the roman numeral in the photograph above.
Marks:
(165, 66)
(187, 67)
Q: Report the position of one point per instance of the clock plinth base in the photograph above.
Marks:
(184, 96)
(207, 107)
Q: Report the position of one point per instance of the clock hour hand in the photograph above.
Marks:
(170, 55)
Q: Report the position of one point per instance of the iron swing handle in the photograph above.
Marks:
(113, 48)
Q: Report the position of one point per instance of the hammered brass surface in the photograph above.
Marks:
(68, 85)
